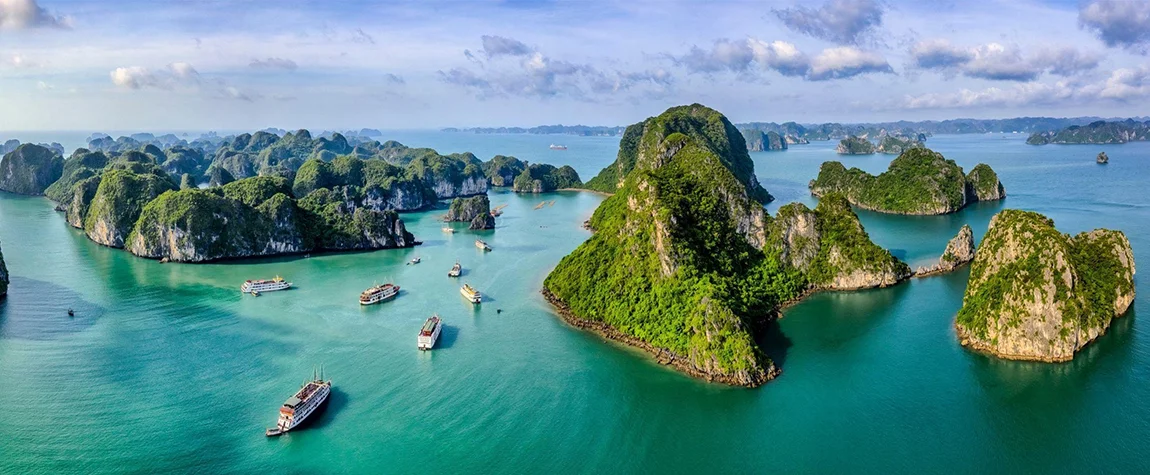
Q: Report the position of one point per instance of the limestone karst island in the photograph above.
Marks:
(680, 237)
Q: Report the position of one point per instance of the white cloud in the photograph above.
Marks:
(24, 14)
(1123, 85)
(845, 62)
(780, 56)
(178, 76)
(274, 63)
(998, 62)
(839, 21)
(1118, 23)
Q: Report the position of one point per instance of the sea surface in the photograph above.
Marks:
(168, 368)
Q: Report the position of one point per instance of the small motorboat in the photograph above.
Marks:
(71, 313)
(255, 293)
(414, 260)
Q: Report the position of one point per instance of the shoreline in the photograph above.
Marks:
(662, 356)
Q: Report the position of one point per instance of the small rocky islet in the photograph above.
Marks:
(3, 276)
(254, 194)
(1035, 293)
(919, 181)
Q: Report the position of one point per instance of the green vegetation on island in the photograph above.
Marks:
(893, 145)
(919, 181)
(502, 170)
(685, 262)
(541, 178)
(759, 141)
(1097, 132)
(1037, 294)
(854, 145)
(475, 210)
(30, 169)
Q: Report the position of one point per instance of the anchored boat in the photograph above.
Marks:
(482, 245)
(471, 294)
(303, 404)
(255, 287)
(429, 334)
(414, 260)
(379, 293)
(456, 270)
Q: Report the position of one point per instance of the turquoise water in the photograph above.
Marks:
(168, 368)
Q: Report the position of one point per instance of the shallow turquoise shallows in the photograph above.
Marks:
(167, 368)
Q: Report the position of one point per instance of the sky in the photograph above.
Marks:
(244, 65)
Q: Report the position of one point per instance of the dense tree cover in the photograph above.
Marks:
(1097, 132)
(895, 145)
(760, 141)
(30, 169)
(679, 273)
(611, 176)
(119, 200)
(502, 170)
(918, 181)
(82, 165)
(855, 145)
(541, 178)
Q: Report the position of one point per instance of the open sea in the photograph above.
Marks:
(168, 368)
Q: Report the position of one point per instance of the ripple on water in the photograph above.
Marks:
(38, 310)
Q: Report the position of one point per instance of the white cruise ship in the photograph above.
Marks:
(471, 294)
(257, 286)
(379, 293)
(429, 334)
(298, 407)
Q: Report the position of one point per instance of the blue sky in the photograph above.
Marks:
(191, 65)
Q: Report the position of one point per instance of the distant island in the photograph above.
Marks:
(795, 133)
(257, 194)
(855, 146)
(686, 264)
(919, 181)
(583, 130)
(1037, 294)
(1099, 132)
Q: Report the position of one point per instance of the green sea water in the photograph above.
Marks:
(168, 368)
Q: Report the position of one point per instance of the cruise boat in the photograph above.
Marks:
(303, 404)
(414, 260)
(449, 230)
(255, 287)
(429, 334)
(482, 245)
(558, 147)
(471, 294)
(379, 293)
(455, 271)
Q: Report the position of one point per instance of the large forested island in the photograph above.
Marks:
(254, 194)
(919, 181)
(685, 262)
(1037, 294)
(1099, 132)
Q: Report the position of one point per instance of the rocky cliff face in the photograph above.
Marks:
(982, 184)
(959, 251)
(855, 146)
(475, 210)
(472, 185)
(82, 194)
(831, 248)
(118, 202)
(200, 226)
(759, 141)
(542, 178)
(1037, 294)
(30, 169)
(501, 170)
(3, 276)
